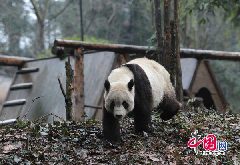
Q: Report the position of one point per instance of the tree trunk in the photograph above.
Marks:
(69, 80)
(40, 37)
(159, 36)
(14, 43)
(167, 38)
(179, 88)
(173, 53)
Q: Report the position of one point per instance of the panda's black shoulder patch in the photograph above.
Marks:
(143, 89)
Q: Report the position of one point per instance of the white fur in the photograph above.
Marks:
(158, 77)
(121, 74)
(119, 91)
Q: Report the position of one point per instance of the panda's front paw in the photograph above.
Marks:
(111, 138)
(145, 133)
(111, 144)
(139, 133)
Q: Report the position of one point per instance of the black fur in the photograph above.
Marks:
(143, 98)
(111, 126)
(130, 84)
(142, 106)
(169, 106)
(107, 85)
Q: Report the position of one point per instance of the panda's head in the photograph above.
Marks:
(119, 98)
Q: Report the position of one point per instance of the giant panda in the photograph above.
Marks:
(137, 87)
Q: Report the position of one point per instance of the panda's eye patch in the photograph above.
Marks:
(112, 105)
(125, 104)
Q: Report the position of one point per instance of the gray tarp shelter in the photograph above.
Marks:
(38, 78)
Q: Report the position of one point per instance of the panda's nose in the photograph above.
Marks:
(118, 116)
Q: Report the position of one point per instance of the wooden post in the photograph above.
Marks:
(121, 59)
(78, 86)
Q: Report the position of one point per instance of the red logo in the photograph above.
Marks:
(209, 144)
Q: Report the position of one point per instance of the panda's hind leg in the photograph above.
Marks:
(169, 107)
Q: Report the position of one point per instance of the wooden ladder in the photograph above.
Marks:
(20, 86)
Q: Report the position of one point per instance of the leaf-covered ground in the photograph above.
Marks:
(82, 143)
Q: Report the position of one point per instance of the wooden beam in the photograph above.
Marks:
(91, 106)
(9, 121)
(132, 49)
(210, 54)
(21, 86)
(14, 102)
(12, 60)
(119, 48)
(27, 70)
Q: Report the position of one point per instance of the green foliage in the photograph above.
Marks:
(209, 26)
(13, 25)
(22, 124)
(207, 7)
(44, 54)
(47, 52)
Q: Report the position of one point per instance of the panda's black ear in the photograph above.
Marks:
(107, 85)
(130, 84)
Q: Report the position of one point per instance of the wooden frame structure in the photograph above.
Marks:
(62, 47)
(68, 46)
(79, 49)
